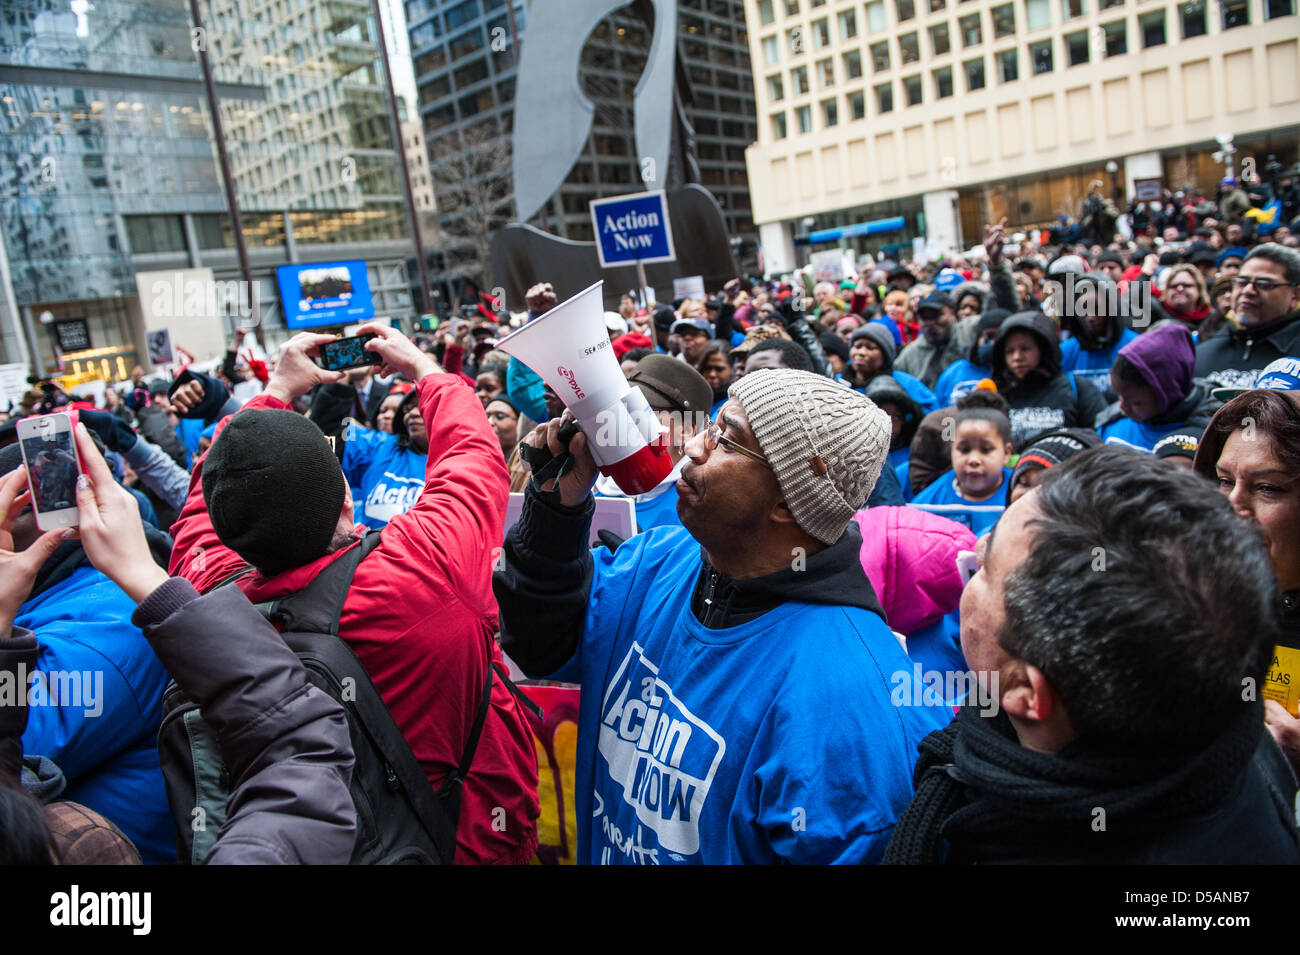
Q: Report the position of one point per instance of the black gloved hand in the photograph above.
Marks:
(610, 540)
(113, 431)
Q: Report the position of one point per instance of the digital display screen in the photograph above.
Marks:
(52, 471)
(325, 293)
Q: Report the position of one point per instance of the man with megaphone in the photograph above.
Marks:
(736, 702)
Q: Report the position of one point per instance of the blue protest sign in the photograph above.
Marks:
(632, 228)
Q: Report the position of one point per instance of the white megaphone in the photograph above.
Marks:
(569, 347)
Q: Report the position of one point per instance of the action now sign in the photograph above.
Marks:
(632, 228)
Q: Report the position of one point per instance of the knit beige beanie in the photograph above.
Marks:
(826, 443)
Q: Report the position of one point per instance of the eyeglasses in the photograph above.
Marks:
(1263, 285)
(713, 437)
(1183, 285)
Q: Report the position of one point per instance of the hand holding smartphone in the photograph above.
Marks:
(344, 353)
(53, 464)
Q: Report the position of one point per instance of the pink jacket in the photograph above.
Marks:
(910, 557)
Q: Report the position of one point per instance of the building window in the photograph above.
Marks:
(885, 98)
(974, 75)
(1004, 21)
(830, 113)
(766, 14)
(775, 88)
(778, 125)
(1152, 27)
(803, 116)
(906, 9)
(1278, 8)
(876, 16)
(825, 73)
(1107, 4)
(937, 5)
(791, 8)
(940, 43)
(1073, 9)
(909, 50)
(1236, 13)
(857, 106)
(799, 80)
(794, 41)
(1038, 14)
(848, 24)
(971, 33)
(879, 57)
(821, 33)
(1040, 56)
(943, 82)
(771, 50)
(852, 64)
(912, 90)
(155, 234)
(1116, 37)
(1076, 48)
(1193, 14)
(1008, 66)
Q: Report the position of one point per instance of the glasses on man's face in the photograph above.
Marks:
(1185, 286)
(1262, 285)
(713, 437)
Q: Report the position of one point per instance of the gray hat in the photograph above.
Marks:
(671, 385)
(879, 334)
(701, 323)
(826, 444)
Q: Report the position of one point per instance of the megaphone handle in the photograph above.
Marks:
(543, 463)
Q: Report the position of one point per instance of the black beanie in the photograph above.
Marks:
(833, 344)
(274, 489)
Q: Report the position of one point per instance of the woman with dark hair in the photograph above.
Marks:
(715, 367)
(1027, 371)
(1251, 449)
(504, 418)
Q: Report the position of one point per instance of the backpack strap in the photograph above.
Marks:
(317, 607)
(449, 791)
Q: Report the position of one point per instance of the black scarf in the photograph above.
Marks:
(994, 800)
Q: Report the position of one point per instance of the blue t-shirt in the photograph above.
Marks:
(717, 406)
(943, 498)
(901, 471)
(1093, 365)
(1131, 434)
(386, 479)
(775, 740)
(958, 380)
(938, 646)
(188, 433)
(661, 511)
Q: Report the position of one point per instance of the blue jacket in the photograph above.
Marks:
(106, 740)
(942, 497)
(915, 389)
(699, 745)
(386, 479)
(958, 380)
(1093, 365)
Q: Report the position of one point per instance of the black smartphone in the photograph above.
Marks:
(344, 353)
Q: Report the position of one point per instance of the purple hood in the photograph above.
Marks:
(1165, 357)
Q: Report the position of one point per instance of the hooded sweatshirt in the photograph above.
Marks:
(1090, 356)
(713, 707)
(1165, 358)
(1047, 398)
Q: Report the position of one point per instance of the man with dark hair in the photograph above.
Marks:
(1267, 306)
(1128, 675)
(778, 353)
(270, 497)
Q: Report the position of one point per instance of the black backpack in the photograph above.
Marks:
(400, 818)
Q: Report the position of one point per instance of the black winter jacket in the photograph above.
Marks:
(1233, 357)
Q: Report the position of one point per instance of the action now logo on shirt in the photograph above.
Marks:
(663, 756)
(392, 496)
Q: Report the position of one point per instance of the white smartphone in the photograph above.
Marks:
(50, 456)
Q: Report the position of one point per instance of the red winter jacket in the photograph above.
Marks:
(421, 618)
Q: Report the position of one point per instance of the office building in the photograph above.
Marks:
(953, 113)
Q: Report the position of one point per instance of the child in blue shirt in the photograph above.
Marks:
(974, 492)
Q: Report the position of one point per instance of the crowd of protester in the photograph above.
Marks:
(1051, 486)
